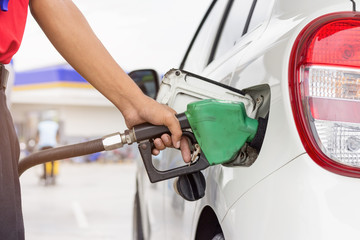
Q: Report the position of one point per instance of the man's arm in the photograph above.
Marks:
(70, 33)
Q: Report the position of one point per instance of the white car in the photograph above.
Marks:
(302, 58)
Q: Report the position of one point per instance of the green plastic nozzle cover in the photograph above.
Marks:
(221, 128)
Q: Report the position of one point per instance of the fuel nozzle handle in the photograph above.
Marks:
(145, 133)
(148, 131)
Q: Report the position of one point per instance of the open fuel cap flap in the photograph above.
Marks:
(179, 88)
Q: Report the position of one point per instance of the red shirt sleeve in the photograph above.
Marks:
(12, 26)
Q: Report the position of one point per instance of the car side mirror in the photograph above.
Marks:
(147, 80)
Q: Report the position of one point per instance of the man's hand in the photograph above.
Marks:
(158, 114)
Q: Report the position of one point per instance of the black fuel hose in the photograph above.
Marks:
(60, 153)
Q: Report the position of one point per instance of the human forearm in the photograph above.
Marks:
(69, 32)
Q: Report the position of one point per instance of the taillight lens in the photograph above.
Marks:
(324, 81)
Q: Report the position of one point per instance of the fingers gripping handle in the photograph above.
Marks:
(148, 131)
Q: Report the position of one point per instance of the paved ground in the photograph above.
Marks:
(89, 201)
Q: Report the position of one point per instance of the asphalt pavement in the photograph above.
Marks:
(89, 201)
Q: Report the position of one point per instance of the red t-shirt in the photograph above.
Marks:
(12, 25)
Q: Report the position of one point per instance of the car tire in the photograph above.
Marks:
(219, 236)
(137, 225)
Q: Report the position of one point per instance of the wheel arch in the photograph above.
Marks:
(208, 224)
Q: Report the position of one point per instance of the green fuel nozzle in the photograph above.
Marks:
(219, 128)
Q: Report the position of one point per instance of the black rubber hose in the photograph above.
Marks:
(60, 153)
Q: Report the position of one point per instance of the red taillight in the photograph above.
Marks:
(335, 43)
(324, 81)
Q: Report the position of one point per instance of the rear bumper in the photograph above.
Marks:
(299, 201)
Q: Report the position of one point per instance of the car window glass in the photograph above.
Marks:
(200, 50)
(260, 14)
(234, 26)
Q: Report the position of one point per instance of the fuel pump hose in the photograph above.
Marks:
(60, 153)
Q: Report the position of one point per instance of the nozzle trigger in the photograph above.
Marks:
(156, 175)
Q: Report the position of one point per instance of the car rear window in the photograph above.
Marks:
(234, 26)
(195, 60)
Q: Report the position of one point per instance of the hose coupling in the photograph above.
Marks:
(118, 140)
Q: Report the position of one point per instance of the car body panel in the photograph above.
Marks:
(151, 197)
(311, 204)
(261, 57)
